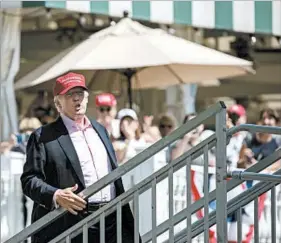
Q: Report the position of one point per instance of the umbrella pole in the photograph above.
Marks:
(129, 74)
(130, 95)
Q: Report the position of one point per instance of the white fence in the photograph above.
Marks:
(12, 220)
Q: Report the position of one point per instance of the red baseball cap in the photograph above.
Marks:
(105, 99)
(67, 82)
(237, 109)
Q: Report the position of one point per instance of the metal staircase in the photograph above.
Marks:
(149, 184)
(269, 182)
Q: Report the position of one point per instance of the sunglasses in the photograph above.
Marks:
(79, 93)
(105, 109)
(165, 126)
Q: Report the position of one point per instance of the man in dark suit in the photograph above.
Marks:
(65, 157)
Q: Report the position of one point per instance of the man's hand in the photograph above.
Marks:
(67, 199)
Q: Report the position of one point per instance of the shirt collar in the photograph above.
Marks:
(70, 124)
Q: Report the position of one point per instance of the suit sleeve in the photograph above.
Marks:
(33, 177)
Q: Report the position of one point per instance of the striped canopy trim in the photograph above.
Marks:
(250, 16)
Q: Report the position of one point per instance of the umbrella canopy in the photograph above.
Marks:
(96, 80)
(148, 57)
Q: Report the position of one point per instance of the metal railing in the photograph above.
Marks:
(199, 226)
(234, 206)
(204, 224)
(244, 175)
(219, 139)
(151, 183)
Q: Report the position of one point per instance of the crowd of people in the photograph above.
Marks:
(128, 131)
(130, 134)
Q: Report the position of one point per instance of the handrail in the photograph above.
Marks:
(231, 184)
(180, 216)
(123, 169)
(235, 203)
(254, 129)
(211, 141)
(243, 175)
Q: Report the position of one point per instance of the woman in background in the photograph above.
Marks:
(130, 136)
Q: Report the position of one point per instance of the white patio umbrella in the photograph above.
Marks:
(148, 58)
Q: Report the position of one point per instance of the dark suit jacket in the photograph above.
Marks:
(51, 164)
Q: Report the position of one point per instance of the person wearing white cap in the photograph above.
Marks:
(127, 112)
(130, 135)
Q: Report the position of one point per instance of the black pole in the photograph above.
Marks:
(130, 95)
(129, 74)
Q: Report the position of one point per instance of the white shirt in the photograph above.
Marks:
(92, 156)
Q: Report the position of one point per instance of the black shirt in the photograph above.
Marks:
(261, 150)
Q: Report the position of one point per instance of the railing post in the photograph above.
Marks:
(221, 172)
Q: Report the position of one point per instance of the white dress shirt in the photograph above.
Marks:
(92, 156)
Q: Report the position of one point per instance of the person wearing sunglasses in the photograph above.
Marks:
(106, 108)
(166, 124)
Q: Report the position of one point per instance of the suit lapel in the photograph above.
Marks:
(69, 150)
(106, 142)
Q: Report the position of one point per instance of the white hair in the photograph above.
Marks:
(57, 103)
